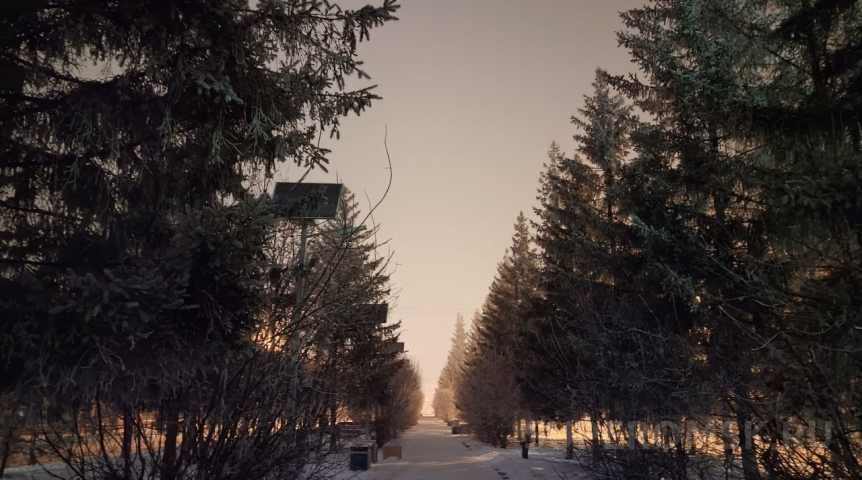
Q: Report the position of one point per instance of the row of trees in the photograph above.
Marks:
(400, 405)
(443, 402)
(151, 327)
(699, 263)
(487, 392)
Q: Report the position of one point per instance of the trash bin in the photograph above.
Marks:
(359, 458)
(373, 453)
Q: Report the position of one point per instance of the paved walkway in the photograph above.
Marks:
(431, 452)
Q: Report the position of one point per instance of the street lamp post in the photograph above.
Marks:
(300, 276)
(297, 314)
(306, 202)
(303, 242)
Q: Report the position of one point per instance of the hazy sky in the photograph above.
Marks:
(474, 91)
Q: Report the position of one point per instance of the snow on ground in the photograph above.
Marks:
(431, 452)
(38, 472)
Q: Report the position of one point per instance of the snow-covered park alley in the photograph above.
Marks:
(431, 452)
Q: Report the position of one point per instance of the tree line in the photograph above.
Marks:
(695, 264)
(150, 323)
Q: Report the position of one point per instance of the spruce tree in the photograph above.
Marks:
(132, 138)
(498, 354)
(749, 106)
(444, 394)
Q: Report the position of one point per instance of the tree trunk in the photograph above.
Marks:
(7, 448)
(537, 432)
(172, 429)
(749, 454)
(570, 447)
(31, 451)
(687, 437)
(128, 431)
(333, 426)
(595, 446)
(519, 428)
(728, 449)
(139, 437)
